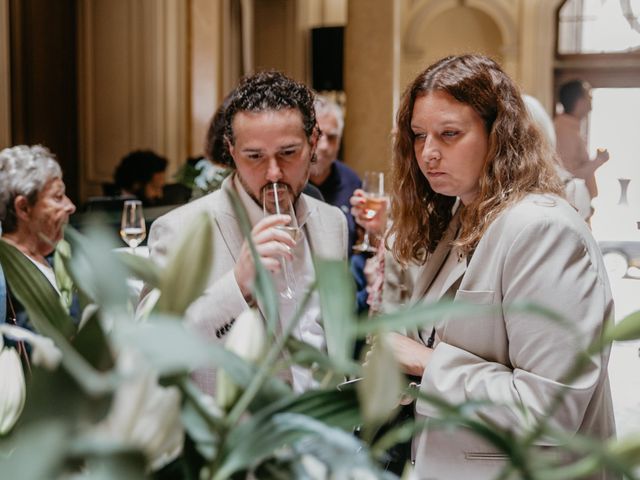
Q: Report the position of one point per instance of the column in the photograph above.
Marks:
(371, 69)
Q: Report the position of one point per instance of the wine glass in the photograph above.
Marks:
(132, 228)
(276, 200)
(375, 200)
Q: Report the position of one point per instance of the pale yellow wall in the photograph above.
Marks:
(454, 31)
(205, 40)
(372, 55)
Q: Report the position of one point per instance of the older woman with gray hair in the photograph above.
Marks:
(33, 208)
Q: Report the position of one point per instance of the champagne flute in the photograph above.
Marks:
(375, 200)
(132, 228)
(277, 200)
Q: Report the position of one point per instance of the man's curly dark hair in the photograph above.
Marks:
(270, 90)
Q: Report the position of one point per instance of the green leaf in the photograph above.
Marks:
(380, 389)
(187, 272)
(141, 268)
(173, 350)
(91, 343)
(277, 431)
(35, 292)
(336, 289)
(35, 452)
(420, 315)
(95, 269)
(49, 318)
(626, 329)
(264, 290)
(308, 356)
(61, 257)
(108, 459)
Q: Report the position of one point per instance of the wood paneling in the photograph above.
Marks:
(5, 79)
(44, 80)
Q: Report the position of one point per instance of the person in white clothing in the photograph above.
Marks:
(271, 133)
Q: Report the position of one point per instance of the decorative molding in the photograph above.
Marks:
(5, 77)
(423, 12)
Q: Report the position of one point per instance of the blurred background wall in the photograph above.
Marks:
(95, 79)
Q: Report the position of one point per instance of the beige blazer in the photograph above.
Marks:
(541, 251)
(211, 314)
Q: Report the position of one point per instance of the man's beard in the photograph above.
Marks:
(258, 201)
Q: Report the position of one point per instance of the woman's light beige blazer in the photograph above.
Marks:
(539, 251)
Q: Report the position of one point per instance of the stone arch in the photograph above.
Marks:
(424, 12)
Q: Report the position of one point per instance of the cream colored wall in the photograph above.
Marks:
(205, 40)
(454, 31)
(372, 54)
(520, 34)
(133, 84)
(537, 28)
(5, 79)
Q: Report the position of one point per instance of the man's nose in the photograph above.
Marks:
(274, 172)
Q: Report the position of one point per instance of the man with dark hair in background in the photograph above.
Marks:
(575, 97)
(271, 133)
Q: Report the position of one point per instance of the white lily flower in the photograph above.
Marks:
(247, 339)
(314, 467)
(12, 387)
(44, 352)
(144, 414)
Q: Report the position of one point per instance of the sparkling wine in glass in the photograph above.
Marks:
(277, 200)
(375, 200)
(132, 228)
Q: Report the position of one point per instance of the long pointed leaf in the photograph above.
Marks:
(94, 269)
(187, 271)
(35, 292)
(336, 289)
(49, 318)
(277, 431)
(141, 268)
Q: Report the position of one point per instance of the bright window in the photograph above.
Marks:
(599, 26)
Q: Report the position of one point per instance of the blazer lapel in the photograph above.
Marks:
(432, 266)
(227, 221)
(323, 237)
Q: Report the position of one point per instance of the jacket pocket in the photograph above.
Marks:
(481, 331)
(476, 297)
(492, 456)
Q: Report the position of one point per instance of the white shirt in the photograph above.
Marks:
(309, 328)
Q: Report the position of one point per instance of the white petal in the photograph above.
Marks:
(12, 389)
(44, 352)
(247, 337)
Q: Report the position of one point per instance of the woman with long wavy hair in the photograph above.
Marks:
(476, 201)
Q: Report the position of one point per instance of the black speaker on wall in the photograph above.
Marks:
(327, 55)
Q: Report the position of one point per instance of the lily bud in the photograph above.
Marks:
(12, 388)
(247, 339)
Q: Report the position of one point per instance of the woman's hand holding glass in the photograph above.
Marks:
(375, 225)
